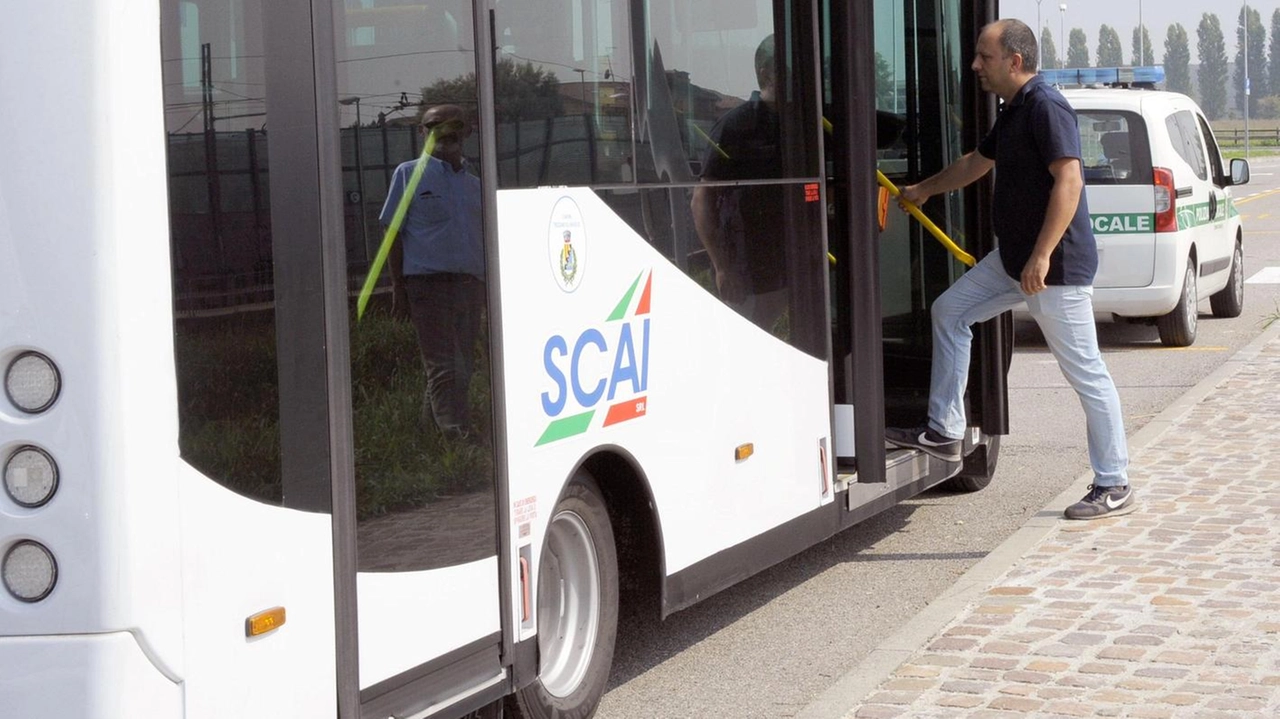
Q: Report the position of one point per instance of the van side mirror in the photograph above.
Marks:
(1239, 171)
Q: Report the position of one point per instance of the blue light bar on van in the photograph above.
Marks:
(1150, 74)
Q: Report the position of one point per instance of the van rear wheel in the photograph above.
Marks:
(1229, 301)
(1178, 328)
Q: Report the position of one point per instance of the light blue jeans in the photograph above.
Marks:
(1065, 316)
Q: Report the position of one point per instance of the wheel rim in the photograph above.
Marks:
(1191, 310)
(1237, 276)
(568, 604)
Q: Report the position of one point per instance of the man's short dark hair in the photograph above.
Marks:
(765, 66)
(1016, 36)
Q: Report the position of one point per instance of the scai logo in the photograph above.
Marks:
(604, 367)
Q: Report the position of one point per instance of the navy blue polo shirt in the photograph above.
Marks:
(1032, 130)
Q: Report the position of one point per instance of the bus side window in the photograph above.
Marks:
(563, 92)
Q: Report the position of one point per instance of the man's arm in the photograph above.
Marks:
(706, 220)
(1063, 199)
(395, 258)
(960, 173)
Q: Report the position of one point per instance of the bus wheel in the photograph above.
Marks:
(979, 468)
(577, 609)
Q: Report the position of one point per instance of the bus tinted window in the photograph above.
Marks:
(422, 415)
(703, 61)
(220, 224)
(563, 93)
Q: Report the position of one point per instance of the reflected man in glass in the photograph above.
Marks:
(437, 267)
(742, 227)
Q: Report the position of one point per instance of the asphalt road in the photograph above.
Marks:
(770, 645)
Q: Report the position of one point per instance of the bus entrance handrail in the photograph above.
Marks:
(933, 229)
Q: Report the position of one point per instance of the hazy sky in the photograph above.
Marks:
(1157, 15)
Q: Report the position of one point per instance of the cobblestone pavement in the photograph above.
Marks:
(1171, 611)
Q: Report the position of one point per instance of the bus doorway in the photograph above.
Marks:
(927, 111)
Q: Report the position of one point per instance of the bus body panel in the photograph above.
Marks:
(645, 346)
(407, 617)
(84, 280)
(62, 676)
(242, 557)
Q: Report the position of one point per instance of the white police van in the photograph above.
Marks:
(1160, 202)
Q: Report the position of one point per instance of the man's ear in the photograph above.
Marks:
(1016, 59)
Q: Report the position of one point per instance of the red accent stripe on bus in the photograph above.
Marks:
(623, 411)
(643, 307)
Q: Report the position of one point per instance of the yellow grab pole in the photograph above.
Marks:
(933, 229)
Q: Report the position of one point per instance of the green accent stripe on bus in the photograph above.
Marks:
(621, 310)
(566, 427)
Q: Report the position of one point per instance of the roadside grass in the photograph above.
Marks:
(230, 418)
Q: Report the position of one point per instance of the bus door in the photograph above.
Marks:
(926, 114)
(427, 578)
(379, 423)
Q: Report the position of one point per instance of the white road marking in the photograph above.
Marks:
(1266, 276)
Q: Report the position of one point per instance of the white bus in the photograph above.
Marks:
(227, 493)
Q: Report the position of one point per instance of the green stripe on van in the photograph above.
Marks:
(1120, 223)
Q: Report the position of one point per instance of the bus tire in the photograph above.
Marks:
(1229, 301)
(1178, 328)
(979, 468)
(577, 609)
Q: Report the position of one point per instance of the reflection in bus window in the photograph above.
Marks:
(562, 93)
(220, 232)
(419, 356)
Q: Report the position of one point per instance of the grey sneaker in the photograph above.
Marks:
(1103, 502)
(925, 439)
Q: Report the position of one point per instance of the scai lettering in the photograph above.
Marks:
(567, 366)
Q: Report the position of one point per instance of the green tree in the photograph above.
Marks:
(1143, 53)
(1110, 51)
(1212, 73)
(524, 92)
(885, 85)
(1257, 61)
(1048, 50)
(1269, 108)
(1273, 68)
(1077, 49)
(1177, 60)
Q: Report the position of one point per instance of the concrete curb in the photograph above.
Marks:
(859, 682)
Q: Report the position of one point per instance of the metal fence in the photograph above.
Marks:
(1258, 137)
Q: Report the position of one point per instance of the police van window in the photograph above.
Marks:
(563, 93)
(1113, 148)
(1215, 155)
(1185, 137)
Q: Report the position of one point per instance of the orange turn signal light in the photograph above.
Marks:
(744, 451)
(263, 622)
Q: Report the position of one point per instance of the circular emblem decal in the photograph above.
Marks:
(567, 244)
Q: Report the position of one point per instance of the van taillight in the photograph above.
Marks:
(1166, 201)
